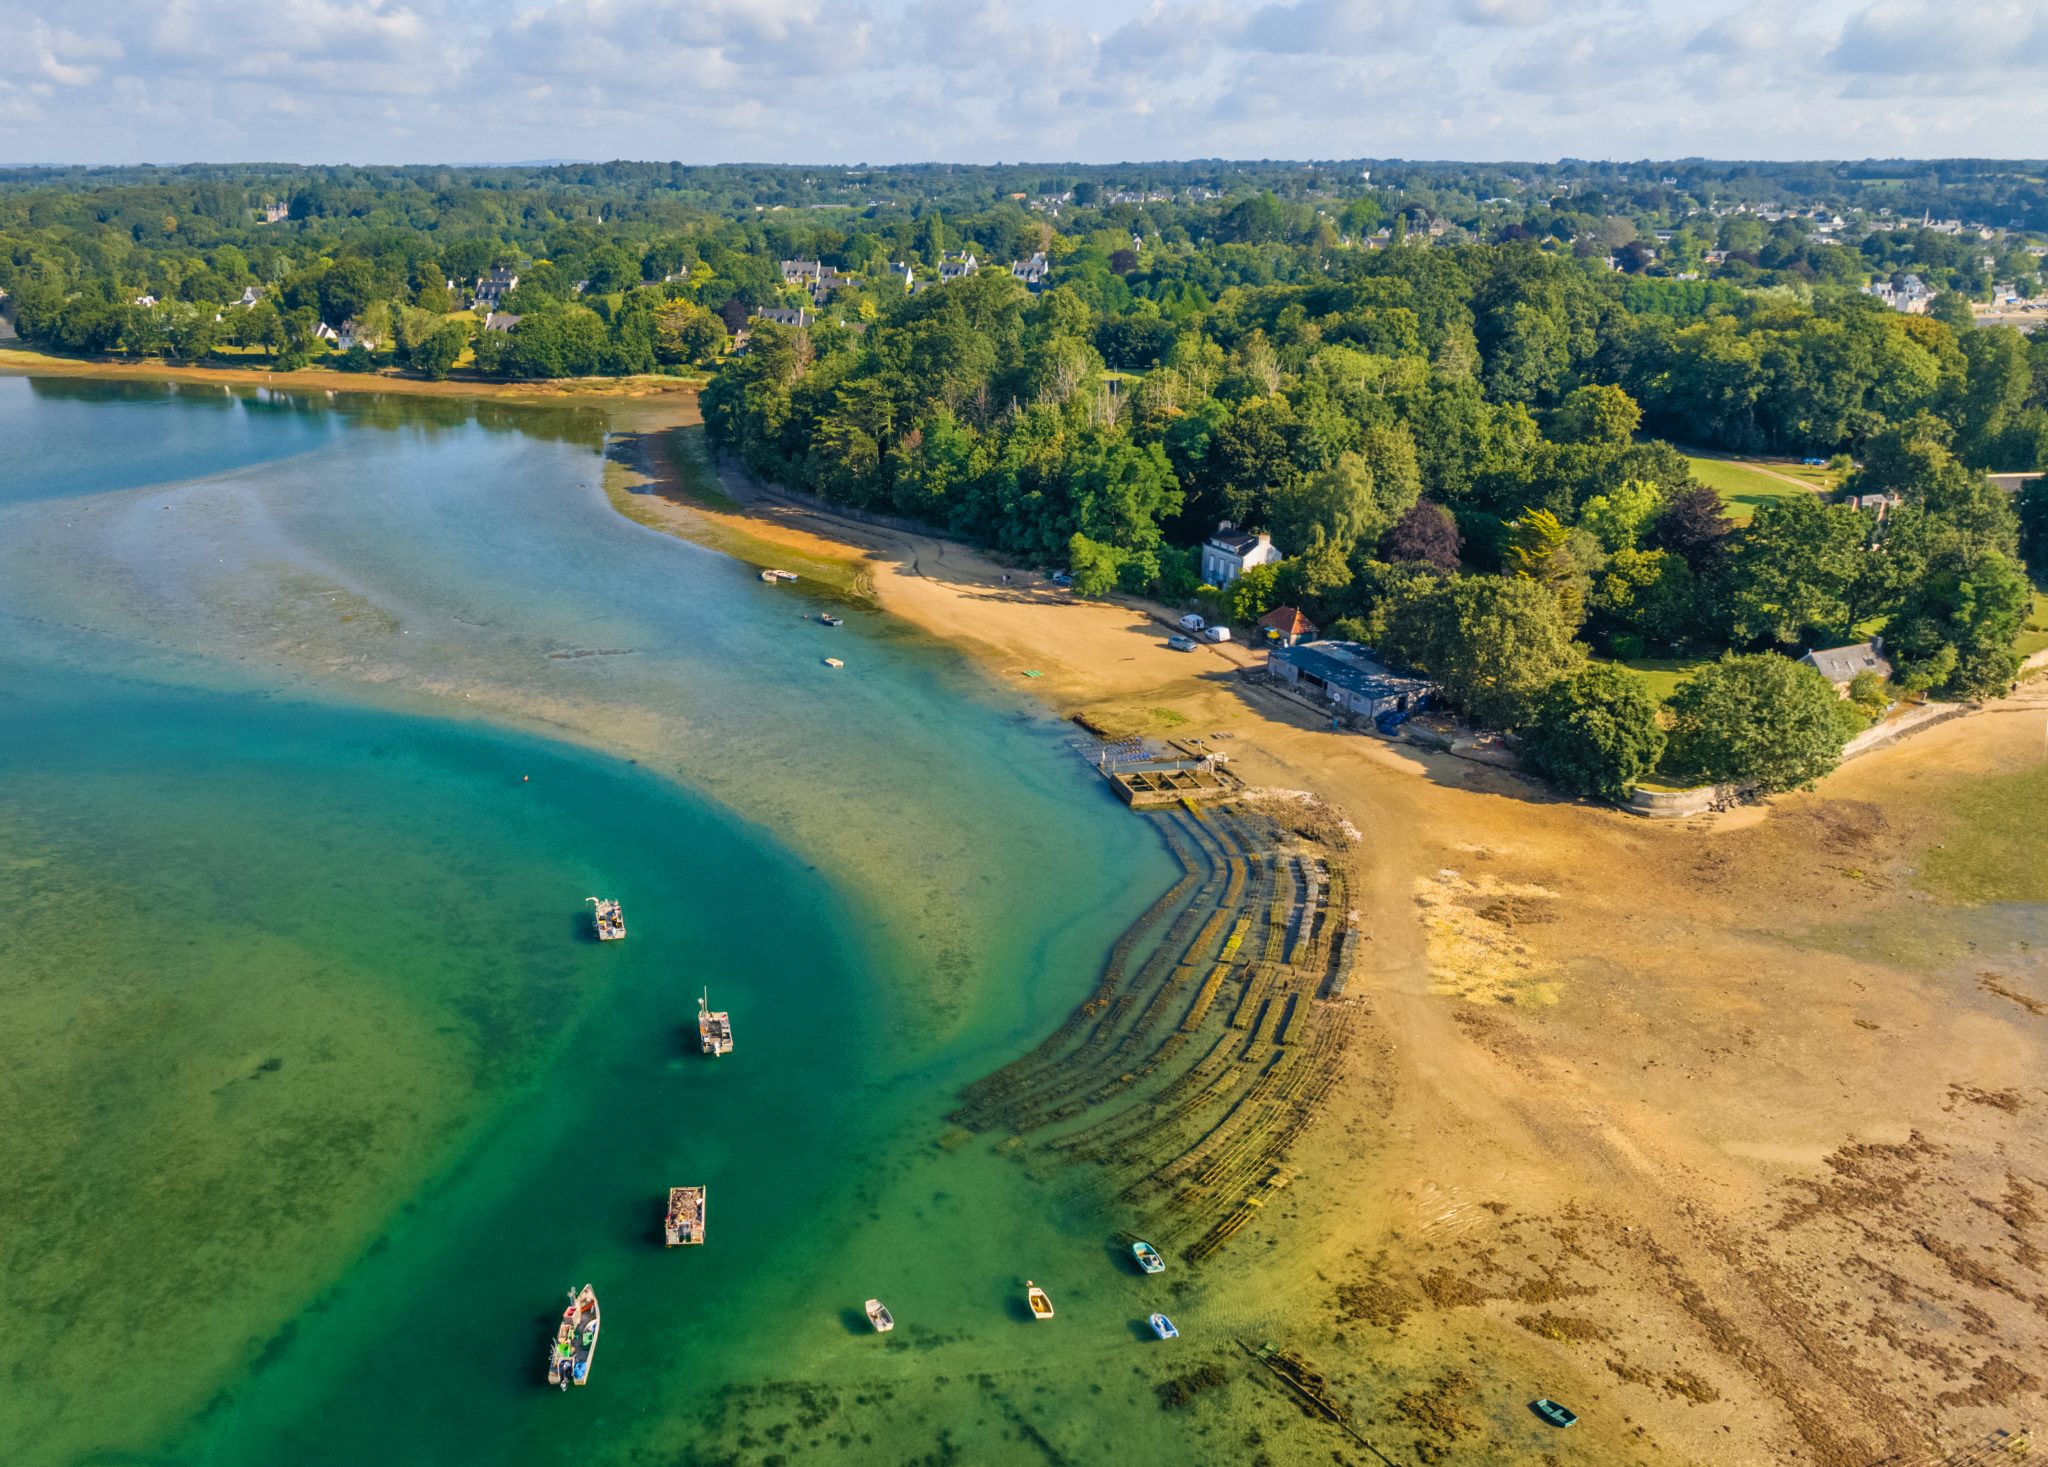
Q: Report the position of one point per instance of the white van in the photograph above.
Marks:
(1192, 623)
(1217, 634)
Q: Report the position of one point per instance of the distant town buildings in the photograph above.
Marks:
(816, 278)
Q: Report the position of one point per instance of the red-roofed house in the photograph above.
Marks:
(1285, 626)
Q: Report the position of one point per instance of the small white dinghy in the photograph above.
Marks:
(1163, 1327)
(879, 1317)
(1041, 1307)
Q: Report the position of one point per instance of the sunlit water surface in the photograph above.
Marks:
(319, 718)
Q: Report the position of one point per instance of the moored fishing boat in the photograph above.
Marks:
(772, 576)
(685, 1220)
(834, 662)
(1163, 1327)
(714, 1027)
(611, 922)
(1041, 1306)
(575, 1341)
(1148, 1257)
(879, 1317)
(830, 620)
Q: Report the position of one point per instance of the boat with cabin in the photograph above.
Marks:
(611, 922)
(772, 576)
(1041, 1306)
(714, 1027)
(575, 1341)
(831, 620)
(1147, 1256)
(880, 1317)
(1163, 1327)
(685, 1220)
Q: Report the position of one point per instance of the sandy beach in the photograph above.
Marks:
(1722, 1131)
(21, 359)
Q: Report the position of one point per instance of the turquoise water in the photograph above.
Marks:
(318, 720)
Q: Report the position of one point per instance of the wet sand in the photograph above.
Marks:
(1724, 1132)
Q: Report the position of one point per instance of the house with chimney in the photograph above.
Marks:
(1230, 552)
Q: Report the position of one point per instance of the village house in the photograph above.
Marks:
(276, 213)
(500, 321)
(957, 267)
(783, 316)
(250, 295)
(1840, 665)
(1034, 273)
(491, 289)
(1348, 677)
(1230, 552)
(326, 333)
(1285, 626)
(351, 335)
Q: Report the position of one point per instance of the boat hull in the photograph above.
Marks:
(574, 1345)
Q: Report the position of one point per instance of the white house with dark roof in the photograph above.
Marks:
(1034, 273)
(1841, 665)
(493, 288)
(958, 267)
(1230, 552)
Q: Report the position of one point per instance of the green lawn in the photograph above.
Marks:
(1660, 676)
(1742, 488)
(2034, 637)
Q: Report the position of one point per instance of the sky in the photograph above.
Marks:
(976, 81)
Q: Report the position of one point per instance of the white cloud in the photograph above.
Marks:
(847, 80)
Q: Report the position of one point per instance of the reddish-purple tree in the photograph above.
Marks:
(1426, 533)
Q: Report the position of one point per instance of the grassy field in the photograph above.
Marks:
(1660, 675)
(1744, 490)
(2034, 637)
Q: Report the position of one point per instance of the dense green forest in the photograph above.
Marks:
(1449, 392)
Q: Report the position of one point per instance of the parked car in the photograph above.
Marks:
(1217, 634)
(1061, 578)
(1192, 623)
(1180, 643)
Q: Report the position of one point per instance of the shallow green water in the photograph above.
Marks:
(317, 722)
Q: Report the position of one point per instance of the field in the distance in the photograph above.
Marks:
(1745, 488)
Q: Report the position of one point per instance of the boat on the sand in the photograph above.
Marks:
(879, 1317)
(1041, 1306)
(575, 1341)
(1553, 1413)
